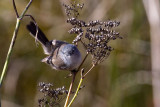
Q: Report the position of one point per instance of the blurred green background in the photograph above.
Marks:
(122, 80)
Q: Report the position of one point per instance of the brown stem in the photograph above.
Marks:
(77, 90)
(82, 62)
(36, 27)
(15, 9)
(70, 89)
(83, 44)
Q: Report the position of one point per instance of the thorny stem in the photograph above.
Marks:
(70, 89)
(13, 38)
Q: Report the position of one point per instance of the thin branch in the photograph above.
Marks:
(83, 44)
(78, 88)
(70, 89)
(25, 10)
(15, 9)
(35, 25)
(10, 51)
(31, 18)
(0, 100)
(82, 62)
(80, 82)
(89, 70)
(5, 67)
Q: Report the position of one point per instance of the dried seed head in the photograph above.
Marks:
(51, 96)
(95, 35)
(73, 9)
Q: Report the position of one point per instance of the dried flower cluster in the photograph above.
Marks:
(73, 9)
(94, 35)
(51, 97)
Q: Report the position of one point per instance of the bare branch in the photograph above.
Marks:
(15, 9)
(32, 18)
(25, 10)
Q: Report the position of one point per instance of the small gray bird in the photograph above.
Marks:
(61, 55)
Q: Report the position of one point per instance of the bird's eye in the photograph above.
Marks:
(71, 52)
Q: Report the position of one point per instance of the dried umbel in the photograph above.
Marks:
(51, 96)
(94, 35)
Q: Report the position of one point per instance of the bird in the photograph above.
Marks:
(60, 55)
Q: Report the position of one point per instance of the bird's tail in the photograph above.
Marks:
(46, 44)
(32, 28)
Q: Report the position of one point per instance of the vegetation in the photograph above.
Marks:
(122, 80)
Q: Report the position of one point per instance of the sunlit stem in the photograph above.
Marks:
(13, 38)
(75, 95)
(79, 85)
(89, 70)
(10, 50)
(70, 89)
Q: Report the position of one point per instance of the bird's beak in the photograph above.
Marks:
(45, 60)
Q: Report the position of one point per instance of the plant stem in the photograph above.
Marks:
(0, 99)
(13, 38)
(79, 85)
(15, 8)
(75, 95)
(70, 89)
(25, 10)
(10, 50)
(89, 70)
(82, 62)
(5, 67)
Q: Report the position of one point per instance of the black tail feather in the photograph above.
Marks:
(32, 28)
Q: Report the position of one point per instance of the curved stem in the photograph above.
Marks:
(28, 15)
